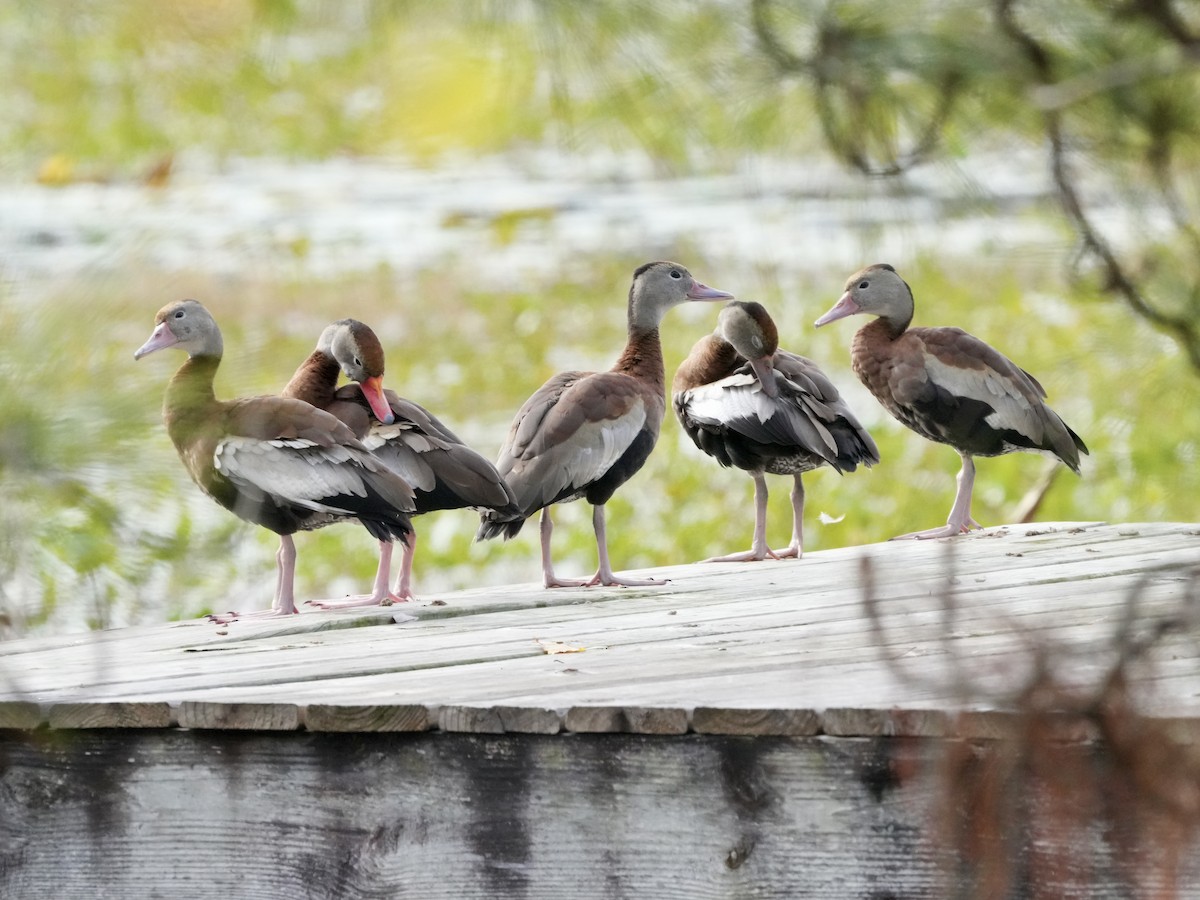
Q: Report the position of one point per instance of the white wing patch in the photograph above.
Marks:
(719, 402)
(292, 470)
(738, 403)
(587, 455)
(399, 446)
(1012, 408)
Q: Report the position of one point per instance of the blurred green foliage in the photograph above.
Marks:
(106, 89)
(98, 522)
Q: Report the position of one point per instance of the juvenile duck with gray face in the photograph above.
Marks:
(443, 471)
(277, 462)
(947, 386)
(584, 434)
(753, 406)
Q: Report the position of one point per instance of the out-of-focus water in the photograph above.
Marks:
(513, 216)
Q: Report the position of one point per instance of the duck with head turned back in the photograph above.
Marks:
(277, 462)
(947, 386)
(751, 405)
(584, 434)
(443, 471)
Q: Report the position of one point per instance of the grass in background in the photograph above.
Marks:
(103, 91)
(102, 526)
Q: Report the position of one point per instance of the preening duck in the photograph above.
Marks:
(443, 471)
(753, 406)
(947, 386)
(584, 434)
(277, 462)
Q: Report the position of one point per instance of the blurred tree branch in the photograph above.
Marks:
(850, 85)
(1018, 813)
(1114, 84)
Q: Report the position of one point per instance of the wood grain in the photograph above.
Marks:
(105, 814)
(630, 719)
(239, 716)
(714, 720)
(110, 715)
(326, 717)
(19, 714)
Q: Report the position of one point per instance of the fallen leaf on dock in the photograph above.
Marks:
(555, 647)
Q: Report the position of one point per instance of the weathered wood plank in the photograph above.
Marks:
(722, 636)
(710, 720)
(250, 716)
(377, 717)
(470, 719)
(630, 719)
(110, 715)
(529, 720)
(311, 660)
(19, 714)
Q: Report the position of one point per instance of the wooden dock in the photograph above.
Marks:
(748, 730)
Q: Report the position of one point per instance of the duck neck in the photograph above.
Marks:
(643, 358)
(711, 360)
(190, 398)
(315, 381)
(886, 327)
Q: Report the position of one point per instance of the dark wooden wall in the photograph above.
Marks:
(174, 813)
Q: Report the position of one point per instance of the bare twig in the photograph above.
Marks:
(831, 86)
(1021, 815)
(1117, 279)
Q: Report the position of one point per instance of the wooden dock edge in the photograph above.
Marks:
(848, 722)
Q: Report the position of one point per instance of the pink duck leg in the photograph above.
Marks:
(795, 550)
(549, 579)
(960, 521)
(604, 574)
(758, 549)
(285, 581)
(380, 595)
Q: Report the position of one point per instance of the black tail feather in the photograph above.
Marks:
(492, 527)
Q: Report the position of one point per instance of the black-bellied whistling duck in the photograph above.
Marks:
(947, 386)
(750, 405)
(584, 434)
(277, 462)
(444, 472)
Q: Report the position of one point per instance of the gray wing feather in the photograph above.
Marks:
(301, 472)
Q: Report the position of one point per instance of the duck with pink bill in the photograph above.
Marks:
(584, 434)
(275, 461)
(443, 471)
(947, 386)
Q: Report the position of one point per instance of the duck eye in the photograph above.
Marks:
(676, 274)
(357, 361)
(863, 285)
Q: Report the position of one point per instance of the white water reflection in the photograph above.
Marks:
(513, 216)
